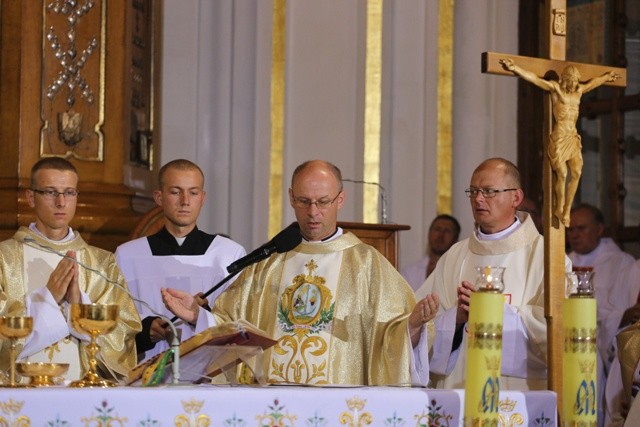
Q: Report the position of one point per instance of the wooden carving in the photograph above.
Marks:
(565, 147)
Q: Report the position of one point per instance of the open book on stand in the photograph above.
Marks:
(207, 353)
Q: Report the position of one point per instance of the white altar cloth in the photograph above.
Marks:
(237, 406)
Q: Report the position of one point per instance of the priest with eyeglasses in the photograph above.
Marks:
(502, 237)
(340, 312)
(47, 266)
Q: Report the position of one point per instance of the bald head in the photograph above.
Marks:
(508, 169)
(320, 165)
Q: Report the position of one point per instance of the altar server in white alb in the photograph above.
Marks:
(179, 256)
(502, 238)
(41, 276)
(341, 313)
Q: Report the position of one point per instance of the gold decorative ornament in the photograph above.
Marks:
(559, 22)
(70, 127)
(356, 418)
(304, 310)
(192, 417)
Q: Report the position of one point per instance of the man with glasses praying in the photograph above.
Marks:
(503, 237)
(47, 266)
(342, 314)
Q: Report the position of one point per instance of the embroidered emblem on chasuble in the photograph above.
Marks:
(305, 315)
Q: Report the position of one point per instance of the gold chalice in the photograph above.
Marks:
(94, 320)
(13, 328)
(42, 374)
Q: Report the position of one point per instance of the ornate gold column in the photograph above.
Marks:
(445, 104)
(277, 116)
(373, 88)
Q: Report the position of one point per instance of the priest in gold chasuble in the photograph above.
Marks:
(36, 281)
(337, 309)
(341, 313)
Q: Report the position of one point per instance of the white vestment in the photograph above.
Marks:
(524, 335)
(146, 274)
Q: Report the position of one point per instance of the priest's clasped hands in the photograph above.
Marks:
(63, 281)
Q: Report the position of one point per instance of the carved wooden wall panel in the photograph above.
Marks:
(73, 73)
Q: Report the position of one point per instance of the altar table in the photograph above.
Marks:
(208, 405)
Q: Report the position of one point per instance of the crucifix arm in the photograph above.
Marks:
(527, 75)
(607, 77)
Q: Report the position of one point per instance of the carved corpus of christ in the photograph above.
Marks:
(565, 148)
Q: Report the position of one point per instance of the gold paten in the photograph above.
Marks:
(42, 374)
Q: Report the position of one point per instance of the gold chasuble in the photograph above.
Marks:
(26, 268)
(338, 310)
(629, 355)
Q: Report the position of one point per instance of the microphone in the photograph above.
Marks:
(175, 342)
(383, 196)
(284, 241)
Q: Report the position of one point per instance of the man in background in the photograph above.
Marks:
(180, 255)
(443, 232)
(47, 266)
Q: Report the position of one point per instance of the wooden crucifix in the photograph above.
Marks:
(561, 114)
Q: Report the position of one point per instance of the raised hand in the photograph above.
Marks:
(464, 296)
(507, 63)
(180, 303)
(613, 76)
(424, 311)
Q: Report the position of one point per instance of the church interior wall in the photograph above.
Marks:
(216, 105)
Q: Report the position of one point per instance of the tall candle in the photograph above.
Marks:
(579, 372)
(484, 348)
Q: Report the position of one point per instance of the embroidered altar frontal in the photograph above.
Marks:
(260, 406)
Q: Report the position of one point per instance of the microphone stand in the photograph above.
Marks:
(383, 195)
(175, 347)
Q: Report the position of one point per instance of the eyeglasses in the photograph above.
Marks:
(487, 193)
(302, 203)
(53, 194)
